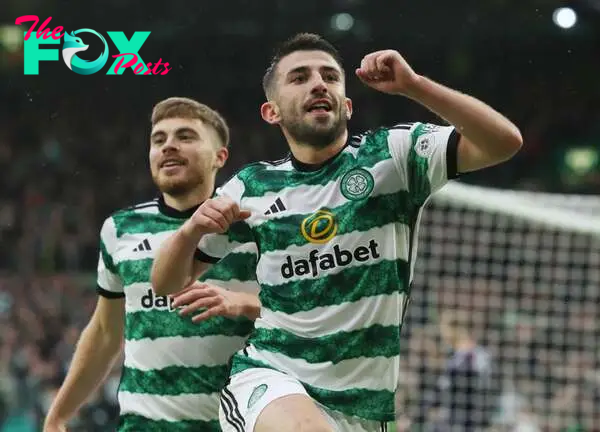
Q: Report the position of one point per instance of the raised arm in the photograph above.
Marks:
(487, 137)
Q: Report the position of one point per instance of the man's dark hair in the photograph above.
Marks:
(299, 42)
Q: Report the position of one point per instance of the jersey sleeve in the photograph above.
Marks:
(213, 247)
(425, 156)
(108, 281)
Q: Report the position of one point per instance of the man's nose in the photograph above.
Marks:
(170, 145)
(319, 86)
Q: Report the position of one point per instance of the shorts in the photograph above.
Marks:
(250, 391)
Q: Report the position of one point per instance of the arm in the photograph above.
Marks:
(175, 265)
(96, 351)
(249, 305)
(228, 289)
(487, 137)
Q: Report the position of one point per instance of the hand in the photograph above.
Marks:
(387, 72)
(216, 300)
(216, 214)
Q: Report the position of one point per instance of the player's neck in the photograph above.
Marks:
(193, 198)
(308, 154)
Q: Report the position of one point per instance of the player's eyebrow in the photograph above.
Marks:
(186, 129)
(298, 70)
(182, 130)
(330, 69)
(306, 70)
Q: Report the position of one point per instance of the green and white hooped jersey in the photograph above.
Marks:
(174, 369)
(337, 246)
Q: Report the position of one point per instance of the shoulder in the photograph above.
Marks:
(115, 221)
(384, 131)
(250, 175)
(251, 170)
(146, 207)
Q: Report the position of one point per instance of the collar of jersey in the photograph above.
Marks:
(303, 166)
(173, 212)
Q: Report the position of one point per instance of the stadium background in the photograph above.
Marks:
(74, 148)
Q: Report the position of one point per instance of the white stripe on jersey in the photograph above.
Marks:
(171, 408)
(179, 351)
(346, 317)
(345, 375)
(128, 242)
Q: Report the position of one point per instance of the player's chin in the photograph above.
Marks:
(173, 188)
(173, 183)
(321, 123)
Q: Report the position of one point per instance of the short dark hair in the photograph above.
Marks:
(299, 42)
(180, 107)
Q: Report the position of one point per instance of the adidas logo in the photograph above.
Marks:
(276, 207)
(143, 246)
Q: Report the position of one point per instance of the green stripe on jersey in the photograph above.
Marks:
(107, 258)
(232, 266)
(142, 222)
(135, 271)
(260, 180)
(376, 405)
(374, 341)
(163, 323)
(136, 423)
(352, 216)
(349, 285)
(175, 380)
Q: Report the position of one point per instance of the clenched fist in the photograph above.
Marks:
(388, 72)
(216, 214)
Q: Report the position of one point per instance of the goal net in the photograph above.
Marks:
(503, 330)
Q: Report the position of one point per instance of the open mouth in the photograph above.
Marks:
(319, 106)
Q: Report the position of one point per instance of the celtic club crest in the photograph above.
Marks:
(357, 184)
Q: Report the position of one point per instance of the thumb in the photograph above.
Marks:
(362, 75)
(244, 214)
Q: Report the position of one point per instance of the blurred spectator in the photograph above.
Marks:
(465, 395)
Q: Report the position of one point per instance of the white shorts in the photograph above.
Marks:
(250, 391)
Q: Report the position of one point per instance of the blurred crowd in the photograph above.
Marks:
(41, 320)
